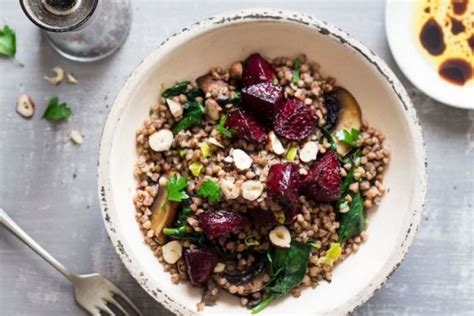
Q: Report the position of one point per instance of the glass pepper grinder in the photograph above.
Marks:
(81, 30)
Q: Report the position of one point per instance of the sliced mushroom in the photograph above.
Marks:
(58, 73)
(253, 279)
(163, 213)
(214, 87)
(349, 118)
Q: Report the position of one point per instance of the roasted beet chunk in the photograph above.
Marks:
(283, 184)
(220, 223)
(200, 264)
(294, 120)
(262, 99)
(323, 182)
(331, 102)
(246, 127)
(256, 69)
(261, 217)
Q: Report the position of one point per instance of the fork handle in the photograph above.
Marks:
(20, 233)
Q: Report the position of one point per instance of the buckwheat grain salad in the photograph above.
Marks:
(255, 180)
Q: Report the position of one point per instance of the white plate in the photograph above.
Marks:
(218, 41)
(403, 41)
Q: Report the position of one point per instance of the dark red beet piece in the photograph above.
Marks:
(256, 69)
(323, 181)
(246, 127)
(294, 120)
(262, 217)
(262, 99)
(220, 223)
(200, 264)
(283, 184)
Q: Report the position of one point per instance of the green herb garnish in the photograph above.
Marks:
(176, 186)
(287, 267)
(7, 42)
(229, 133)
(181, 224)
(332, 255)
(296, 70)
(57, 111)
(349, 137)
(193, 113)
(235, 99)
(211, 191)
(175, 90)
(352, 222)
(329, 138)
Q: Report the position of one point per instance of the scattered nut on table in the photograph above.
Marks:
(71, 79)
(76, 137)
(25, 106)
(58, 73)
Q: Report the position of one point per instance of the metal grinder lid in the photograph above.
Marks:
(58, 15)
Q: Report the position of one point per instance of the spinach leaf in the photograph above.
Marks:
(193, 113)
(175, 90)
(287, 267)
(194, 93)
(352, 222)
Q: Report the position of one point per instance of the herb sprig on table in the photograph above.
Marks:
(8, 43)
(57, 111)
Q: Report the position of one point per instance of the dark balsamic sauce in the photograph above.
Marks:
(455, 70)
(432, 37)
(457, 26)
(459, 6)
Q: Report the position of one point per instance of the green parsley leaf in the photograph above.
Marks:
(211, 191)
(326, 134)
(56, 111)
(222, 129)
(7, 42)
(296, 70)
(349, 137)
(176, 186)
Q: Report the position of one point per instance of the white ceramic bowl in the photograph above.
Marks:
(229, 37)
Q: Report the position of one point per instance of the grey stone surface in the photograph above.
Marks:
(48, 185)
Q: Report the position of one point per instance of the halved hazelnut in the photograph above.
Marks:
(161, 140)
(172, 251)
(25, 106)
(230, 190)
(280, 237)
(275, 144)
(242, 160)
(309, 151)
(176, 108)
(252, 189)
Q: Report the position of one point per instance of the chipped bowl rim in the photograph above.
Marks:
(246, 16)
